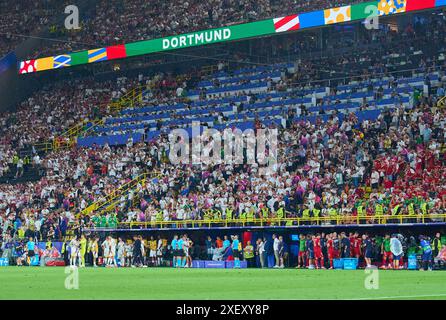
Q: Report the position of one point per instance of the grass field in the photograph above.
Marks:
(166, 283)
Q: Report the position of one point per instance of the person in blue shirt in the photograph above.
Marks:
(226, 243)
(235, 252)
(181, 259)
(426, 257)
(226, 246)
(310, 251)
(173, 245)
(368, 250)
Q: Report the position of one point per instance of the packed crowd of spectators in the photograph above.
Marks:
(22, 19)
(117, 22)
(322, 165)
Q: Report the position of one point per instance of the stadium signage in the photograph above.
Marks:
(260, 28)
(194, 39)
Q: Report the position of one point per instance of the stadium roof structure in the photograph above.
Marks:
(268, 27)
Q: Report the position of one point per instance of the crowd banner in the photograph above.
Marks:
(267, 27)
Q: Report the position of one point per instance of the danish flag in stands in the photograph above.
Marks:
(287, 23)
(27, 66)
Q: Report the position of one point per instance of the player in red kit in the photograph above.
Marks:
(356, 246)
(318, 256)
(330, 249)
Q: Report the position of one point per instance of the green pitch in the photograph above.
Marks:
(166, 283)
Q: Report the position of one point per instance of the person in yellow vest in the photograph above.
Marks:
(306, 214)
(436, 245)
(82, 250)
(229, 213)
(333, 214)
(379, 210)
(248, 254)
(265, 211)
(424, 208)
(250, 215)
(242, 215)
(316, 214)
(281, 213)
(411, 209)
(396, 210)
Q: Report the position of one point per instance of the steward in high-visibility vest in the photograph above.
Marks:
(436, 246)
(316, 212)
(159, 216)
(208, 214)
(306, 214)
(26, 160)
(280, 213)
(217, 215)
(396, 210)
(250, 215)
(424, 208)
(410, 209)
(242, 215)
(265, 212)
(332, 212)
(228, 214)
(379, 209)
(360, 211)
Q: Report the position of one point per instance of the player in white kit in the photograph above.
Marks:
(112, 257)
(121, 249)
(74, 251)
(106, 251)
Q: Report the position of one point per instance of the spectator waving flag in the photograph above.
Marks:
(287, 23)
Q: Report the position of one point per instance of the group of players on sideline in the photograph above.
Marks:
(315, 251)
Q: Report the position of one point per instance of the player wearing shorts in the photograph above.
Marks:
(74, 251)
(426, 257)
(387, 254)
(106, 251)
(302, 252)
(30, 245)
(152, 248)
(174, 245)
(121, 251)
(128, 254)
(94, 250)
(112, 256)
(185, 250)
(180, 253)
(319, 258)
(159, 251)
(235, 251)
(356, 246)
(82, 250)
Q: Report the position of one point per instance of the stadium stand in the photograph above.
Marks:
(356, 131)
(99, 25)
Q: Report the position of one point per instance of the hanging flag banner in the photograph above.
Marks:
(279, 25)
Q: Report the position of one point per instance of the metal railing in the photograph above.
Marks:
(288, 222)
(111, 200)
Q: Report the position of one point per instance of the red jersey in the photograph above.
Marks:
(317, 244)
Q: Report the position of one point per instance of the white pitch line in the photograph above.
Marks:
(402, 297)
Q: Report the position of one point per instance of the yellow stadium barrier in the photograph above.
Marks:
(287, 222)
